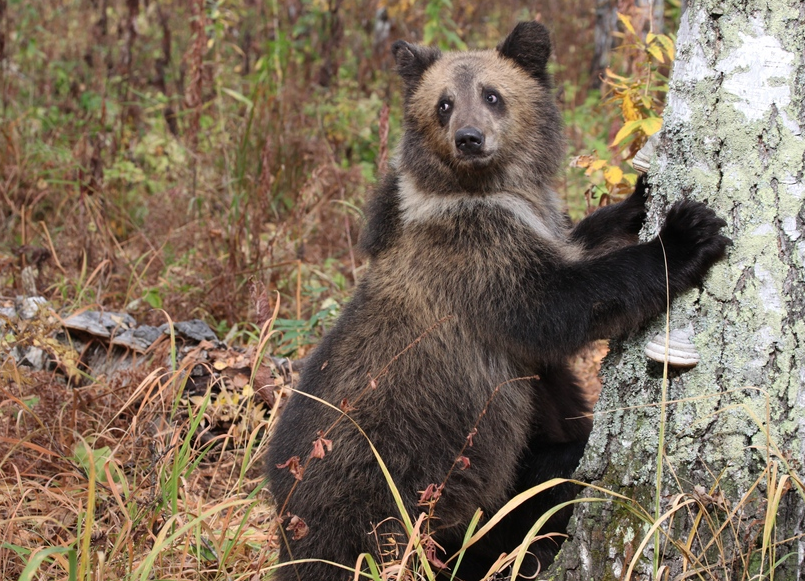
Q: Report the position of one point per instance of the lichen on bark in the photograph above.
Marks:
(732, 138)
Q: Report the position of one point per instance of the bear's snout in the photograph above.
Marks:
(470, 141)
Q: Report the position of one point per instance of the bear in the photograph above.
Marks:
(451, 358)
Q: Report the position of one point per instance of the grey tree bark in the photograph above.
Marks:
(606, 22)
(735, 425)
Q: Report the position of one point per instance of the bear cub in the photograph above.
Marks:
(452, 355)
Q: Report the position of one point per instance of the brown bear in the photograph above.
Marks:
(452, 355)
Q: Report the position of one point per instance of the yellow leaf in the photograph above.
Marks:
(596, 165)
(627, 23)
(628, 109)
(649, 37)
(651, 125)
(220, 365)
(625, 131)
(656, 52)
(613, 175)
(667, 44)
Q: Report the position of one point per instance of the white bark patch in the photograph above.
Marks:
(767, 291)
(791, 124)
(794, 187)
(677, 108)
(586, 559)
(790, 228)
(763, 341)
(749, 71)
(617, 566)
(764, 230)
(692, 67)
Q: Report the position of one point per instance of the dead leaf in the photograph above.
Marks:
(297, 527)
(294, 467)
(431, 494)
(319, 446)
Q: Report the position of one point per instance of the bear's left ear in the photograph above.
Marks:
(529, 45)
(413, 60)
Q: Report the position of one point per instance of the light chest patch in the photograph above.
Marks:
(417, 207)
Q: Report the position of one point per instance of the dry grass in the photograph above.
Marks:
(121, 474)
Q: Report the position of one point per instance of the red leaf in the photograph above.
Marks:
(431, 494)
(319, 445)
(294, 467)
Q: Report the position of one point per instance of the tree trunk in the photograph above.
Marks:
(606, 22)
(734, 432)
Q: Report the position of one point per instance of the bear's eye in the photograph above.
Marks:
(492, 98)
(444, 107)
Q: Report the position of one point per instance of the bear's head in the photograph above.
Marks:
(477, 120)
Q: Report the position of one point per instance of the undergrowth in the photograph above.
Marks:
(165, 155)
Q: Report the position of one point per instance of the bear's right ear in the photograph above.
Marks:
(529, 45)
(413, 60)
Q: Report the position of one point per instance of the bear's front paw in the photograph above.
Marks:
(692, 240)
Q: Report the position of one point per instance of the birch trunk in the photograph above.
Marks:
(732, 138)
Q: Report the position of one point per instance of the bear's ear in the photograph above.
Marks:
(529, 45)
(413, 60)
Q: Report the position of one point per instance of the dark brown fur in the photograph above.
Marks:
(467, 240)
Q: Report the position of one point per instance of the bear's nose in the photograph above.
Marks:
(469, 140)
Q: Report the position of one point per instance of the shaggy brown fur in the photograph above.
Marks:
(475, 280)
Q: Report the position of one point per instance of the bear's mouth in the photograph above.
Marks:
(478, 159)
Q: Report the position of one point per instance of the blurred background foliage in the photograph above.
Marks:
(170, 154)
